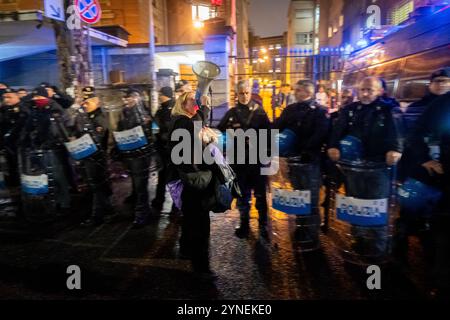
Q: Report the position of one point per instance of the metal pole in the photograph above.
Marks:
(153, 95)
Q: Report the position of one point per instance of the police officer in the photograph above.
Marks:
(135, 115)
(439, 85)
(308, 120)
(45, 130)
(12, 119)
(22, 92)
(373, 122)
(248, 115)
(433, 127)
(370, 124)
(333, 177)
(90, 120)
(163, 120)
(64, 100)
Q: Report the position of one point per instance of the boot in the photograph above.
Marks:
(243, 230)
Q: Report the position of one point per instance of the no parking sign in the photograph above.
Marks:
(89, 11)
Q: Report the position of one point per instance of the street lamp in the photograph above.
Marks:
(198, 24)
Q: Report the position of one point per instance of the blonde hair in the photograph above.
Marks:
(180, 104)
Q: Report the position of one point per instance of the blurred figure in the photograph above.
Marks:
(12, 120)
(64, 100)
(322, 96)
(333, 176)
(3, 87)
(163, 119)
(248, 115)
(44, 131)
(290, 98)
(182, 87)
(439, 85)
(347, 97)
(22, 93)
(332, 101)
(133, 140)
(433, 128)
(385, 95)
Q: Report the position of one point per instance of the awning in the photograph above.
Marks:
(26, 33)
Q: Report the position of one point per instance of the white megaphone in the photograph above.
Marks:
(206, 73)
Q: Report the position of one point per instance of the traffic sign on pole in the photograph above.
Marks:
(89, 11)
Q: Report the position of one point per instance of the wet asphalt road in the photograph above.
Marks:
(118, 262)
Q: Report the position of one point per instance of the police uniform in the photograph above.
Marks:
(138, 161)
(45, 131)
(308, 120)
(94, 123)
(251, 116)
(12, 120)
(376, 125)
(163, 119)
(434, 125)
(409, 222)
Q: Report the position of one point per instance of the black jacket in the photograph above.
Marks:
(198, 187)
(12, 120)
(46, 128)
(64, 100)
(88, 123)
(245, 117)
(415, 109)
(434, 125)
(409, 166)
(163, 118)
(133, 117)
(310, 123)
(376, 125)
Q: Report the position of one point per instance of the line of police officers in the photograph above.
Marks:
(374, 119)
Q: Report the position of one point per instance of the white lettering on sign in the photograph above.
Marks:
(81, 147)
(374, 19)
(361, 207)
(130, 139)
(292, 198)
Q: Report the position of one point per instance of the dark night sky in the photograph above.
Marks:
(269, 17)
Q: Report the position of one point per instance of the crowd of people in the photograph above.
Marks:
(367, 126)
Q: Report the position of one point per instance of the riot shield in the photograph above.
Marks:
(37, 184)
(361, 223)
(295, 203)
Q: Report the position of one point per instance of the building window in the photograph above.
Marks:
(330, 32)
(202, 13)
(303, 14)
(341, 20)
(303, 38)
(401, 13)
